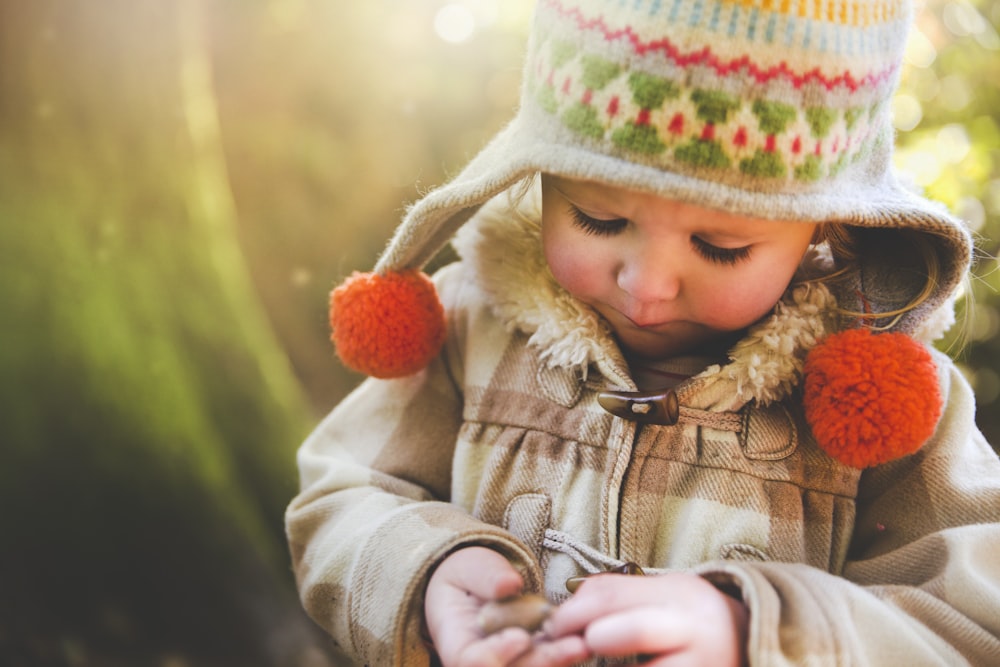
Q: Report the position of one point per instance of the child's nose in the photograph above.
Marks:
(649, 276)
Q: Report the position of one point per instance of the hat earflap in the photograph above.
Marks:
(870, 397)
(387, 325)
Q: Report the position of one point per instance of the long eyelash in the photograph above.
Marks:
(727, 256)
(594, 226)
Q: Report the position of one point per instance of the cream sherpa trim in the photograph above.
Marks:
(505, 248)
(767, 363)
(939, 322)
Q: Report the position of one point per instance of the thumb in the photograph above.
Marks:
(483, 572)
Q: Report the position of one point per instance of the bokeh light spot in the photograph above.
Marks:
(952, 143)
(962, 19)
(955, 94)
(972, 211)
(984, 325)
(993, 196)
(454, 23)
(920, 51)
(906, 112)
(923, 166)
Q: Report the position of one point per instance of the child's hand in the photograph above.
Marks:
(674, 619)
(459, 587)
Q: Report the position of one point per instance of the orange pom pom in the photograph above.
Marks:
(871, 398)
(387, 326)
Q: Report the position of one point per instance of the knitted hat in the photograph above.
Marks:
(778, 110)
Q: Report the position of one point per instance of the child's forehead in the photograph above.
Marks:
(576, 186)
(618, 200)
(597, 191)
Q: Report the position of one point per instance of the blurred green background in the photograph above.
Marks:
(181, 183)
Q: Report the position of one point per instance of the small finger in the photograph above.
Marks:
(651, 630)
(595, 598)
(497, 650)
(485, 573)
(562, 652)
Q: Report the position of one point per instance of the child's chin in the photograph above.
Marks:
(681, 338)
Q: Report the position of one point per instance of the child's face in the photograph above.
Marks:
(669, 277)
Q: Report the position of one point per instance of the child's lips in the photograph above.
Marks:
(638, 321)
(648, 325)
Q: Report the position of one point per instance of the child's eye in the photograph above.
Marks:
(596, 226)
(728, 256)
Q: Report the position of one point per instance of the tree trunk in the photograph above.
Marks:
(149, 419)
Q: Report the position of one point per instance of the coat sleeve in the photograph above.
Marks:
(921, 585)
(372, 516)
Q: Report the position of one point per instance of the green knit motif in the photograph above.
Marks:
(713, 107)
(852, 115)
(582, 117)
(773, 118)
(598, 72)
(547, 99)
(820, 120)
(703, 153)
(649, 93)
(810, 170)
(562, 53)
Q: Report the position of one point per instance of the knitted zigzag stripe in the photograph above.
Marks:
(784, 113)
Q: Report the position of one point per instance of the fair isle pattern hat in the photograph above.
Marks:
(767, 108)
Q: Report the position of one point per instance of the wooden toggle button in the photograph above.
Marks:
(646, 407)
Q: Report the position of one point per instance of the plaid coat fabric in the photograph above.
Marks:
(501, 442)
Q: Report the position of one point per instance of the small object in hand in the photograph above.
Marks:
(527, 611)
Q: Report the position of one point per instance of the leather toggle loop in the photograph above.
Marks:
(573, 583)
(646, 407)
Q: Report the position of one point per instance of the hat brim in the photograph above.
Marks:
(536, 143)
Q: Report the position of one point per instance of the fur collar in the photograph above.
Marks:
(503, 247)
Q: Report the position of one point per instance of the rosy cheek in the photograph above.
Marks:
(736, 304)
(572, 263)
(564, 268)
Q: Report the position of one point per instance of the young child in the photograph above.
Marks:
(689, 335)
